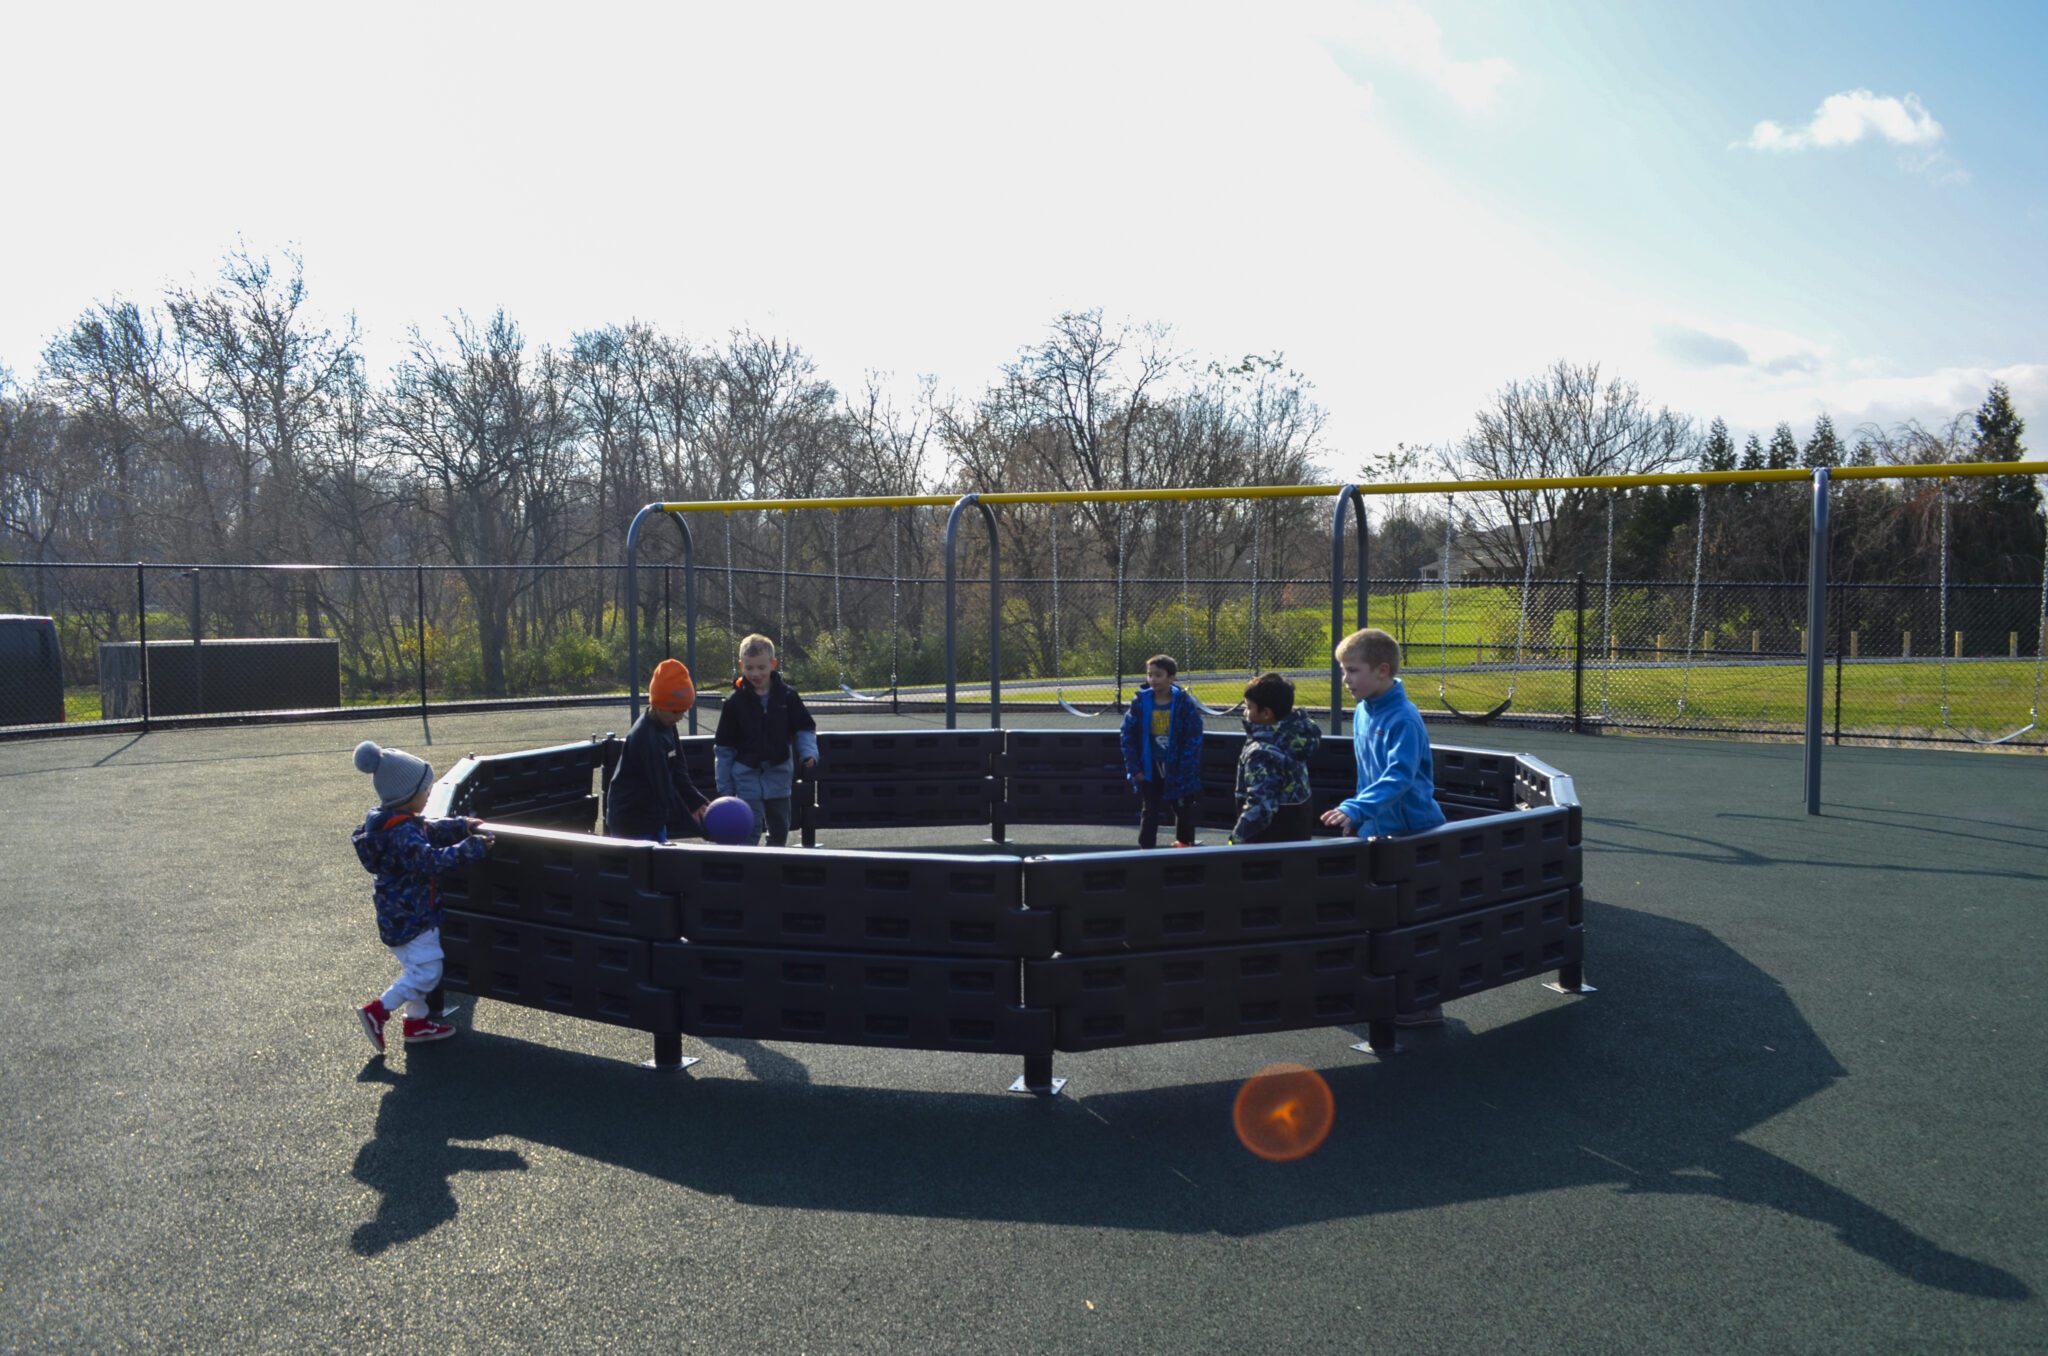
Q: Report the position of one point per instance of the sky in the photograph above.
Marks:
(1755, 210)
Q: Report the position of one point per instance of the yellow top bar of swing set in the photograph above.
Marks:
(1941, 470)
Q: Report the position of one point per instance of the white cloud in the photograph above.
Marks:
(1689, 347)
(1404, 34)
(1847, 118)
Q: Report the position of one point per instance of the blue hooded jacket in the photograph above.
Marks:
(1183, 772)
(1396, 781)
(405, 852)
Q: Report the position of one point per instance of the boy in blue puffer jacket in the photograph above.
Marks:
(1162, 748)
(405, 852)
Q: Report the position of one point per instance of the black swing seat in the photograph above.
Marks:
(1480, 719)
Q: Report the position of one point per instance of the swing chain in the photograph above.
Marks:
(1607, 612)
(838, 617)
(1252, 630)
(731, 610)
(1941, 635)
(1522, 626)
(1122, 509)
(895, 587)
(1058, 677)
(1443, 616)
(1186, 632)
(1699, 546)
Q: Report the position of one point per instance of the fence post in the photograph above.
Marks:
(1816, 628)
(142, 642)
(1839, 612)
(1579, 657)
(419, 579)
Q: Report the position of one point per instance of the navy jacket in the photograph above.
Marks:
(651, 790)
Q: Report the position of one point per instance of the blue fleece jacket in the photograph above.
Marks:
(1396, 783)
(405, 852)
(1183, 770)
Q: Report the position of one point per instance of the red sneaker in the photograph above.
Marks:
(374, 1016)
(420, 1030)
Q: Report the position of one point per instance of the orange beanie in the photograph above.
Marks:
(670, 687)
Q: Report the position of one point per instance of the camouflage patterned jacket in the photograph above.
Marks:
(1272, 771)
(405, 852)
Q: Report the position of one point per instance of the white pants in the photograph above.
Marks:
(420, 961)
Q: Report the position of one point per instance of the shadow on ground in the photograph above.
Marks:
(1646, 1086)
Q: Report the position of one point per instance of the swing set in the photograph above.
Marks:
(2040, 635)
(1117, 611)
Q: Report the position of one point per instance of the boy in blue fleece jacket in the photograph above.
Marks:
(405, 852)
(1396, 783)
(1162, 747)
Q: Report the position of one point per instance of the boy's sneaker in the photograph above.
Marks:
(374, 1017)
(420, 1030)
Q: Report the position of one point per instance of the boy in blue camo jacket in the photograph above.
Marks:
(405, 853)
(1272, 768)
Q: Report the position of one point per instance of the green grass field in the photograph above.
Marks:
(1878, 700)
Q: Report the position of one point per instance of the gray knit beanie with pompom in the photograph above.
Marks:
(397, 775)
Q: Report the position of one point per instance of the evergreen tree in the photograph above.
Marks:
(1719, 452)
(1999, 427)
(1752, 455)
(1783, 452)
(1823, 448)
(1998, 519)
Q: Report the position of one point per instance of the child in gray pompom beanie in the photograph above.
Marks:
(405, 852)
(397, 775)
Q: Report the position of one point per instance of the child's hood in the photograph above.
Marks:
(379, 828)
(1294, 734)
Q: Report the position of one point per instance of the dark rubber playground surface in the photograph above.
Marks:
(1806, 1110)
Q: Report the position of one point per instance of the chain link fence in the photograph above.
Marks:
(1906, 663)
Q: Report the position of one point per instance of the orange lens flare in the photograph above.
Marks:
(1284, 1112)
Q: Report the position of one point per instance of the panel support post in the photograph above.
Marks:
(1816, 630)
(1038, 1077)
(668, 1053)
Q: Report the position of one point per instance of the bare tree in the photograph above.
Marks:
(116, 378)
(487, 430)
(1563, 422)
(264, 376)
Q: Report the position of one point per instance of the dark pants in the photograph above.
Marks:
(1290, 824)
(773, 816)
(1152, 794)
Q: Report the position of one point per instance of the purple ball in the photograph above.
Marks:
(729, 820)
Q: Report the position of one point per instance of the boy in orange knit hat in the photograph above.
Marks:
(651, 794)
